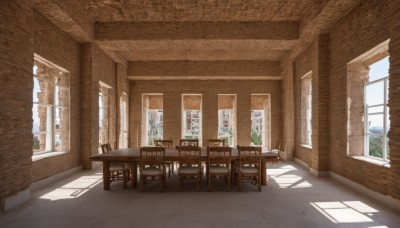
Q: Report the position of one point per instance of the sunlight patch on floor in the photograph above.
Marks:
(346, 211)
(74, 189)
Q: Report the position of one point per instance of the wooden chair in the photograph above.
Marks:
(152, 166)
(117, 170)
(168, 145)
(277, 151)
(219, 165)
(248, 166)
(189, 164)
(216, 143)
(189, 142)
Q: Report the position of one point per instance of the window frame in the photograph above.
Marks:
(52, 130)
(184, 114)
(385, 117)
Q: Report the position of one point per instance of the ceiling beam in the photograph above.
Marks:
(323, 16)
(69, 16)
(197, 30)
(151, 70)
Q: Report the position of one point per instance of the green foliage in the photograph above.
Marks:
(376, 146)
(256, 138)
(36, 143)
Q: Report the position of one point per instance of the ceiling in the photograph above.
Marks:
(204, 30)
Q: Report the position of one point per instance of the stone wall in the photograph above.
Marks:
(96, 67)
(394, 99)
(173, 90)
(57, 47)
(16, 85)
(363, 29)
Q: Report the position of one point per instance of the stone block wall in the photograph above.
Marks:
(16, 85)
(172, 93)
(360, 31)
(57, 47)
(96, 67)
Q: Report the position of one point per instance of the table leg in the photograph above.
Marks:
(134, 174)
(106, 175)
(263, 173)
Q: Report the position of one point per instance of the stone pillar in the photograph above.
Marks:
(288, 110)
(320, 110)
(16, 86)
(394, 99)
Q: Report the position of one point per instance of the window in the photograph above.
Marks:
(368, 121)
(227, 119)
(377, 122)
(103, 112)
(123, 131)
(260, 120)
(306, 110)
(191, 117)
(50, 111)
(152, 118)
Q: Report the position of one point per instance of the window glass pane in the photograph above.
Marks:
(36, 89)
(379, 69)
(225, 125)
(56, 95)
(378, 109)
(57, 142)
(192, 124)
(375, 124)
(375, 143)
(257, 122)
(374, 93)
(154, 125)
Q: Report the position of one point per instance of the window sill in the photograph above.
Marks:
(306, 146)
(37, 157)
(385, 164)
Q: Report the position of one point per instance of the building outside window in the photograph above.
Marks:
(191, 117)
(123, 131)
(227, 119)
(260, 121)
(306, 109)
(50, 111)
(152, 120)
(377, 121)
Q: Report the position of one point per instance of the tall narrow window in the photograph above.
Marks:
(191, 117)
(152, 118)
(227, 119)
(123, 131)
(260, 120)
(377, 122)
(306, 109)
(50, 112)
(103, 113)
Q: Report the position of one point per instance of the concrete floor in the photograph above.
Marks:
(293, 198)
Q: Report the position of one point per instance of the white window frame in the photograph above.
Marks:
(234, 126)
(183, 114)
(385, 117)
(145, 112)
(308, 112)
(124, 121)
(266, 129)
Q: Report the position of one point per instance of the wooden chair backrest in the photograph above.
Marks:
(189, 142)
(106, 148)
(220, 156)
(189, 156)
(152, 157)
(216, 143)
(249, 156)
(164, 143)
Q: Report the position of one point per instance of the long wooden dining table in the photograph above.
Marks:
(132, 156)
